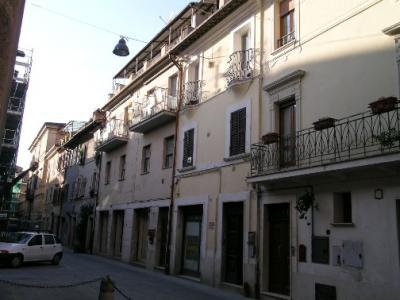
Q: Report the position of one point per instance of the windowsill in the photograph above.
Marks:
(165, 168)
(145, 173)
(343, 224)
(121, 179)
(281, 48)
(186, 169)
(243, 156)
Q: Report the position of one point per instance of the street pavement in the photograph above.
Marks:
(135, 282)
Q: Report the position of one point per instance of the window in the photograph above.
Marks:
(287, 132)
(48, 239)
(146, 159)
(36, 240)
(238, 132)
(108, 173)
(93, 185)
(188, 144)
(286, 22)
(122, 161)
(172, 85)
(342, 208)
(168, 152)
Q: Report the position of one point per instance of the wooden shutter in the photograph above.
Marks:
(188, 144)
(238, 132)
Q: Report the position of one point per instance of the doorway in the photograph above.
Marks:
(232, 243)
(278, 250)
(118, 232)
(162, 235)
(142, 221)
(103, 231)
(191, 244)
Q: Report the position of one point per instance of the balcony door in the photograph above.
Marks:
(287, 130)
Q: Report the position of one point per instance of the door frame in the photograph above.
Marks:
(277, 198)
(226, 198)
(177, 232)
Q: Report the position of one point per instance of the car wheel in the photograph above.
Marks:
(16, 261)
(56, 259)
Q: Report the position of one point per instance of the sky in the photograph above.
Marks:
(73, 65)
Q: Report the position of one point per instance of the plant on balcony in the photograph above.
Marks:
(270, 138)
(324, 123)
(383, 104)
(389, 137)
(304, 203)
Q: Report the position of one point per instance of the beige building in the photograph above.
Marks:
(327, 169)
(48, 136)
(244, 147)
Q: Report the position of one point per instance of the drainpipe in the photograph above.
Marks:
(171, 206)
(96, 199)
(257, 192)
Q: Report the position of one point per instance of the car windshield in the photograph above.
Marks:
(15, 237)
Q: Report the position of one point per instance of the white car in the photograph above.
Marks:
(19, 247)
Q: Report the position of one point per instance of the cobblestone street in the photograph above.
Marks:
(137, 283)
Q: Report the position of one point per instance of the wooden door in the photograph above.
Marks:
(279, 254)
(233, 243)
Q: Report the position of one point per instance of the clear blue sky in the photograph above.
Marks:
(73, 64)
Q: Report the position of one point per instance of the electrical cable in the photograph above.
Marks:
(86, 23)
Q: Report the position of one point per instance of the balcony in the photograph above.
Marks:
(365, 136)
(193, 92)
(156, 110)
(15, 105)
(286, 39)
(113, 135)
(11, 138)
(241, 66)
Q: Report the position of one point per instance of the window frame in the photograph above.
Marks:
(107, 175)
(122, 169)
(185, 149)
(342, 213)
(167, 155)
(146, 159)
(240, 135)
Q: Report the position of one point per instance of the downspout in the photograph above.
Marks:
(96, 200)
(171, 206)
(257, 192)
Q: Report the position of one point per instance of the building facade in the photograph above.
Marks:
(254, 146)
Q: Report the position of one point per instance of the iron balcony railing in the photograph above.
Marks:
(358, 136)
(15, 104)
(286, 39)
(193, 92)
(153, 104)
(11, 137)
(114, 128)
(241, 66)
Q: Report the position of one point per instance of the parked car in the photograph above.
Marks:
(19, 247)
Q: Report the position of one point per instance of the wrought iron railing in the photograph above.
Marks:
(358, 136)
(15, 104)
(193, 92)
(11, 137)
(241, 66)
(153, 104)
(285, 39)
(114, 128)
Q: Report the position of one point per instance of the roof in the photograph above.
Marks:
(154, 39)
(42, 129)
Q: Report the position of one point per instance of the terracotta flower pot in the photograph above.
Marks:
(324, 123)
(383, 104)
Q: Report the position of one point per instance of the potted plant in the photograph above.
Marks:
(383, 104)
(323, 123)
(270, 138)
(304, 203)
(389, 137)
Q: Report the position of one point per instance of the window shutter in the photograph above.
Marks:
(188, 144)
(238, 132)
